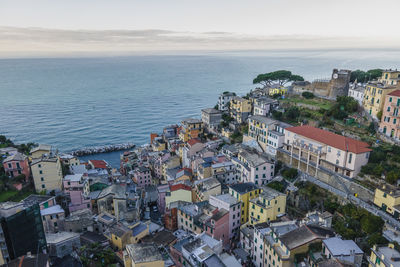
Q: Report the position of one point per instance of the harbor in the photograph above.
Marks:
(101, 149)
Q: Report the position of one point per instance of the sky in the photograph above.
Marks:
(58, 26)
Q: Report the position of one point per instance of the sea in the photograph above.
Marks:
(92, 101)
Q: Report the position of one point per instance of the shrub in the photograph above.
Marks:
(308, 95)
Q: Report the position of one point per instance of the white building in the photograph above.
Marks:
(357, 92)
(223, 101)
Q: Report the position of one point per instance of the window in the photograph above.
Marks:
(388, 109)
(39, 166)
(350, 157)
(329, 149)
(41, 172)
(390, 99)
(41, 179)
(394, 121)
(43, 186)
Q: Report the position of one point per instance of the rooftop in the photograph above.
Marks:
(41, 147)
(141, 253)
(98, 164)
(326, 137)
(395, 93)
(15, 157)
(391, 257)
(227, 198)
(140, 228)
(253, 158)
(36, 199)
(262, 119)
(162, 238)
(304, 235)
(54, 238)
(243, 188)
(73, 177)
(338, 247)
(211, 111)
(51, 210)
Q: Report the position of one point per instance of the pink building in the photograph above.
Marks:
(218, 226)
(142, 176)
(17, 164)
(390, 121)
(77, 187)
(231, 204)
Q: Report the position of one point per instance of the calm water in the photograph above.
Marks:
(72, 103)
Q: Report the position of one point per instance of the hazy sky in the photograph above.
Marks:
(232, 23)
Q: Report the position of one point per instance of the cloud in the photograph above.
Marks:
(20, 42)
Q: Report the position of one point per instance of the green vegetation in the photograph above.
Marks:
(308, 95)
(344, 106)
(384, 159)
(14, 195)
(226, 119)
(278, 186)
(290, 174)
(280, 77)
(23, 148)
(362, 76)
(95, 255)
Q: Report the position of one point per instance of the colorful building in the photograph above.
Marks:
(390, 121)
(142, 176)
(17, 164)
(233, 206)
(41, 150)
(244, 192)
(254, 167)
(323, 149)
(277, 90)
(384, 256)
(387, 198)
(177, 192)
(224, 99)
(240, 109)
(77, 188)
(191, 128)
(47, 174)
(268, 206)
(203, 189)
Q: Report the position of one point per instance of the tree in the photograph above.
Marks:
(308, 95)
(280, 77)
(290, 174)
(392, 177)
(362, 76)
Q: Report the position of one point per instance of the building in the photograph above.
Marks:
(76, 186)
(268, 206)
(53, 219)
(197, 251)
(21, 230)
(342, 250)
(47, 174)
(277, 89)
(387, 198)
(278, 247)
(205, 188)
(244, 192)
(171, 163)
(211, 117)
(190, 150)
(233, 206)
(262, 106)
(79, 221)
(63, 243)
(17, 164)
(268, 133)
(224, 99)
(323, 219)
(143, 255)
(217, 226)
(142, 176)
(376, 91)
(357, 92)
(240, 109)
(320, 149)
(171, 215)
(186, 215)
(28, 260)
(191, 128)
(384, 256)
(225, 172)
(177, 192)
(119, 236)
(254, 167)
(389, 124)
(98, 164)
(41, 150)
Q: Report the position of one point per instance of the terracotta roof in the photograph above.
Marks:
(98, 164)
(180, 186)
(338, 141)
(191, 142)
(395, 93)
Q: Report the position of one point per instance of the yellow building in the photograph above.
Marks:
(158, 144)
(191, 128)
(383, 256)
(244, 192)
(119, 236)
(143, 255)
(39, 151)
(47, 174)
(267, 206)
(390, 77)
(240, 109)
(376, 91)
(279, 89)
(387, 197)
(178, 192)
(139, 230)
(259, 127)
